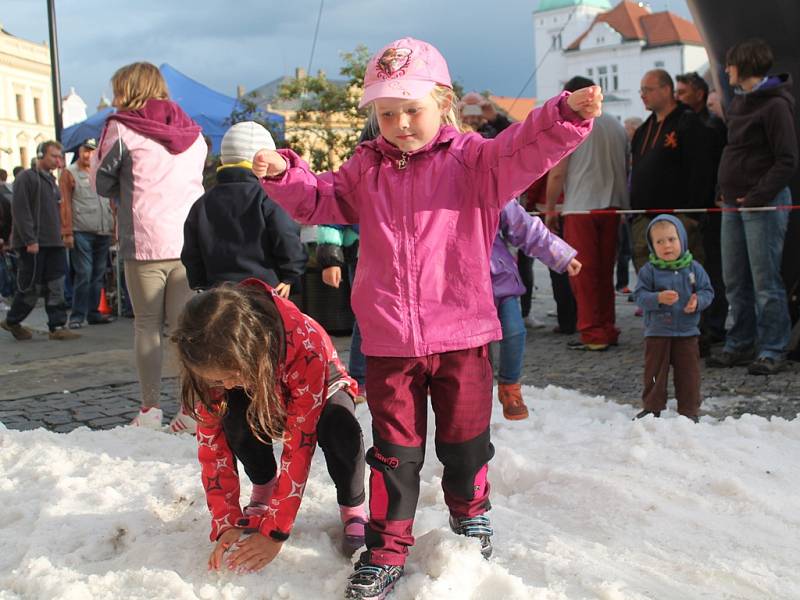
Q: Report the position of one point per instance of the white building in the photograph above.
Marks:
(73, 109)
(26, 105)
(612, 46)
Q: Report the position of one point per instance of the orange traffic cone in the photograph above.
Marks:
(103, 308)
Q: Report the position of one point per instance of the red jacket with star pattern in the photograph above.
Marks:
(310, 372)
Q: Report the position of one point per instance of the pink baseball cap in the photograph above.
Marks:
(407, 69)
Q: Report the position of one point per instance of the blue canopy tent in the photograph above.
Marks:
(208, 108)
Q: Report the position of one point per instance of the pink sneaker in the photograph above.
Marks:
(149, 419)
(183, 423)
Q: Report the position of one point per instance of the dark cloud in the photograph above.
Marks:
(251, 42)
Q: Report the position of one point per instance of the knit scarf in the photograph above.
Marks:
(673, 265)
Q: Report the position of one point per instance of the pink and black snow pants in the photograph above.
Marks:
(460, 385)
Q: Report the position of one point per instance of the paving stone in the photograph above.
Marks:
(59, 418)
(106, 422)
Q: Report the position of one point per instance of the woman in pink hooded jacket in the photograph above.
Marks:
(427, 199)
(150, 160)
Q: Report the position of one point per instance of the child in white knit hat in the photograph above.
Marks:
(234, 231)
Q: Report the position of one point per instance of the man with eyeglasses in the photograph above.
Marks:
(671, 164)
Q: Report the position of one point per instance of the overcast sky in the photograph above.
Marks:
(488, 45)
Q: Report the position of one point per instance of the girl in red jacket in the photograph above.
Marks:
(256, 369)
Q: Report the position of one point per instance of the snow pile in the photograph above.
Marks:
(587, 504)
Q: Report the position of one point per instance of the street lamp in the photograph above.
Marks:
(54, 71)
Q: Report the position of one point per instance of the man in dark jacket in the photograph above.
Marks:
(36, 236)
(756, 167)
(672, 164)
(693, 91)
(234, 231)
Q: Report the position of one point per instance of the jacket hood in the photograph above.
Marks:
(678, 225)
(778, 86)
(162, 121)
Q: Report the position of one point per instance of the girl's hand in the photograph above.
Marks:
(283, 290)
(332, 276)
(691, 305)
(255, 553)
(668, 297)
(268, 163)
(587, 102)
(574, 267)
(224, 542)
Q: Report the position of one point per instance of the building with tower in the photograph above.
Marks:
(613, 46)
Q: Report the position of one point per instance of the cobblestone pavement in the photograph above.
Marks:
(615, 374)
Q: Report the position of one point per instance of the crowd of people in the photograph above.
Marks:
(432, 207)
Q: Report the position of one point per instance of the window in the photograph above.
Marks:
(614, 78)
(37, 109)
(20, 108)
(589, 72)
(556, 42)
(602, 77)
(659, 64)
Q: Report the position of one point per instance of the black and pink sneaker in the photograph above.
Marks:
(477, 527)
(371, 582)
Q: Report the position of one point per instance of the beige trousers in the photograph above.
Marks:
(158, 290)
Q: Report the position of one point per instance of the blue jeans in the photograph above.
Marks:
(512, 347)
(89, 261)
(357, 367)
(752, 248)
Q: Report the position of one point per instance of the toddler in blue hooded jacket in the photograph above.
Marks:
(672, 289)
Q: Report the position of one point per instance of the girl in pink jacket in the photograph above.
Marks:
(427, 198)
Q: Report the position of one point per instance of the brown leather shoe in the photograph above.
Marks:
(63, 334)
(514, 408)
(19, 332)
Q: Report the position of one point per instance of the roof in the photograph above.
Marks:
(635, 22)
(545, 5)
(516, 108)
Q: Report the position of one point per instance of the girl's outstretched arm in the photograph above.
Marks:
(503, 167)
(310, 199)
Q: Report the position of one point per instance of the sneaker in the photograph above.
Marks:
(371, 582)
(579, 345)
(477, 527)
(624, 290)
(149, 419)
(510, 397)
(645, 412)
(255, 509)
(74, 325)
(764, 365)
(532, 322)
(183, 423)
(639, 312)
(354, 535)
(63, 334)
(19, 332)
(727, 359)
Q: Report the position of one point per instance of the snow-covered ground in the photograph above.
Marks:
(587, 504)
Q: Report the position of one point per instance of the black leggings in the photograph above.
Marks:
(338, 434)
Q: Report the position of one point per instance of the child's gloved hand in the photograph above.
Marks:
(587, 102)
(224, 542)
(691, 305)
(332, 276)
(669, 297)
(574, 267)
(268, 163)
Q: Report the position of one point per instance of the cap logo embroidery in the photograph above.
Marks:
(393, 62)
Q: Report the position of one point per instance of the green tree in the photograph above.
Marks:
(328, 122)
(247, 109)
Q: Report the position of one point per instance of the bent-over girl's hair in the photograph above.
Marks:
(233, 328)
(134, 84)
